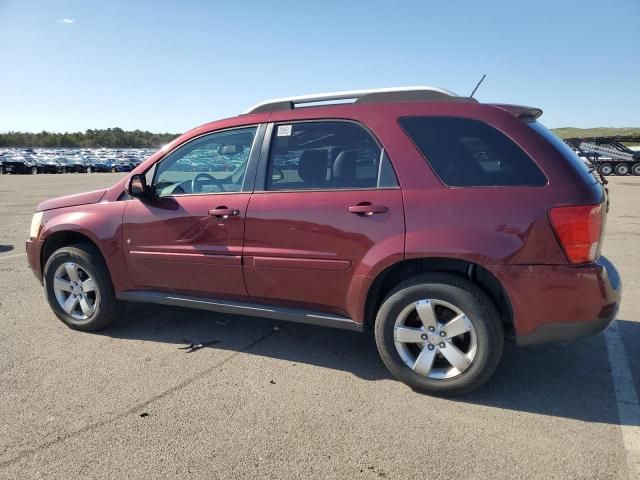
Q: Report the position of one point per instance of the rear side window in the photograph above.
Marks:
(326, 155)
(469, 153)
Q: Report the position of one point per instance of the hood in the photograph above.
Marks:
(72, 200)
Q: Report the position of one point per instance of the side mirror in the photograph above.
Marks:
(277, 175)
(138, 186)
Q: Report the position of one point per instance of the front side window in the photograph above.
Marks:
(326, 155)
(213, 163)
(469, 153)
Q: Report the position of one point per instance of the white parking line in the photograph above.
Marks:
(13, 256)
(626, 398)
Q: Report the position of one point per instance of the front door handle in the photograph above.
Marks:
(366, 209)
(224, 212)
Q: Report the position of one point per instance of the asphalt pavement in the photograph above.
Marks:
(269, 399)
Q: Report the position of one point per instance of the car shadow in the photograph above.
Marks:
(5, 248)
(565, 380)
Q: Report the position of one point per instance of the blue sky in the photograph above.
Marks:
(169, 66)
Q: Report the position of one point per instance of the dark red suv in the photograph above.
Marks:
(441, 223)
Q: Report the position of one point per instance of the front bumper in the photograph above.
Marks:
(16, 168)
(561, 303)
(33, 247)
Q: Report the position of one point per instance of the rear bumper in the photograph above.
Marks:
(565, 332)
(561, 303)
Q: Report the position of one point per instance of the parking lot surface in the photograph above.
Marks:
(296, 401)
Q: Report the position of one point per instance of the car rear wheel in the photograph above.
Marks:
(34, 170)
(79, 289)
(635, 169)
(89, 170)
(440, 334)
(605, 169)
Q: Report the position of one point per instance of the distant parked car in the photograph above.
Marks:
(96, 164)
(19, 164)
(72, 164)
(49, 165)
(121, 166)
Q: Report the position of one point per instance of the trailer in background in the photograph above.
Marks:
(608, 154)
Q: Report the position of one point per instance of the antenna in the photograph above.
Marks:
(477, 85)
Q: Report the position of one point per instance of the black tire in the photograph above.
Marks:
(2, 172)
(478, 308)
(635, 169)
(605, 169)
(107, 309)
(114, 170)
(622, 169)
(89, 170)
(34, 170)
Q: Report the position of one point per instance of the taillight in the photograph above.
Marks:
(579, 229)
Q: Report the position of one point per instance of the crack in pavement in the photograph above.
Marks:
(135, 408)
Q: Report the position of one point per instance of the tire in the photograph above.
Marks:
(482, 344)
(89, 170)
(34, 170)
(114, 170)
(622, 169)
(605, 169)
(2, 172)
(90, 265)
(635, 169)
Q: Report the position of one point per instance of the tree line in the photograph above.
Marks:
(110, 138)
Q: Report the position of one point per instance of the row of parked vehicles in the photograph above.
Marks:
(608, 155)
(35, 161)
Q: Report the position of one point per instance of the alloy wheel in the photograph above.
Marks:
(435, 339)
(75, 291)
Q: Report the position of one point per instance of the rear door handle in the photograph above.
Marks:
(224, 212)
(365, 209)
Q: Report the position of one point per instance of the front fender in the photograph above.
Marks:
(101, 223)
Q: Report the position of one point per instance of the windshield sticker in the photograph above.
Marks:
(284, 131)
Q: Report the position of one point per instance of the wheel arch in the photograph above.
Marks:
(64, 238)
(394, 274)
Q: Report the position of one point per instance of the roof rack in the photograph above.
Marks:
(374, 95)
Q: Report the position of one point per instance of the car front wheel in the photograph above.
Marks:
(440, 334)
(79, 289)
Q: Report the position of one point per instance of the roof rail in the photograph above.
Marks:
(424, 93)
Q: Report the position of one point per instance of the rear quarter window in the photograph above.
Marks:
(469, 153)
(579, 165)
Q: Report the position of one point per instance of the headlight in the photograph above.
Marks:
(36, 223)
